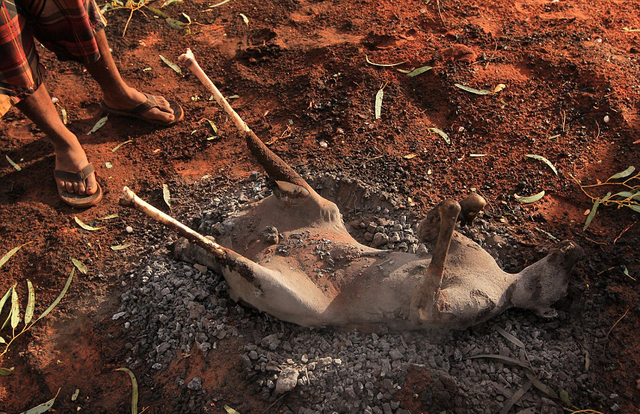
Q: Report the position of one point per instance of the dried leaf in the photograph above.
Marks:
(99, 124)
(442, 134)
(245, 19)
(543, 159)
(13, 164)
(230, 410)
(515, 398)
(499, 88)
(65, 118)
(75, 394)
(510, 337)
(86, 226)
(15, 309)
(503, 359)
(540, 385)
(186, 16)
(108, 165)
(11, 252)
(410, 156)
(172, 65)
(59, 298)
(529, 199)
(378, 105)
(80, 266)
(178, 25)
(629, 29)
(31, 303)
(219, 4)
(564, 397)
(419, 71)
(6, 371)
(623, 174)
(166, 195)
(44, 407)
(120, 247)
(213, 126)
(109, 217)
(477, 155)
(117, 147)
(134, 389)
(382, 65)
(473, 90)
(170, 2)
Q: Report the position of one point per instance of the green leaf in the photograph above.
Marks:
(11, 252)
(172, 65)
(120, 247)
(6, 371)
(99, 124)
(419, 71)
(543, 159)
(13, 164)
(623, 174)
(86, 226)
(219, 4)
(634, 207)
(230, 410)
(382, 65)
(59, 298)
(530, 199)
(473, 90)
(592, 213)
(117, 147)
(80, 266)
(31, 303)
(166, 195)
(15, 309)
(6, 321)
(378, 105)
(134, 389)
(178, 25)
(44, 407)
(541, 386)
(5, 297)
(442, 134)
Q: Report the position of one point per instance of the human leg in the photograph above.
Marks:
(70, 156)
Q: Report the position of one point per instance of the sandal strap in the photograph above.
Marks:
(79, 176)
(150, 103)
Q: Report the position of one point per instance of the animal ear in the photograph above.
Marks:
(291, 190)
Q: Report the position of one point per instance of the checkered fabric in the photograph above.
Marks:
(66, 27)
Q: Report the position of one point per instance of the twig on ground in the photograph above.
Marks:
(623, 232)
(618, 321)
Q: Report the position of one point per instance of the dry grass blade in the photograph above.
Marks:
(80, 266)
(543, 159)
(31, 303)
(59, 298)
(442, 134)
(510, 337)
(382, 65)
(134, 389)
(378, 104)
(503, 359)
(172, 65)
(166, 195)
(117, 147)
(219, 4)
(11, 252)
(109, 217)
(515, 398)
(120, 247)
(473, 90)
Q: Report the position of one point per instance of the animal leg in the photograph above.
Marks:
(424, 299)
(470, 206)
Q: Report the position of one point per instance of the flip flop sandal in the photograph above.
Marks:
(78, 200)
(139, 110)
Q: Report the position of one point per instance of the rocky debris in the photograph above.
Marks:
(169, 307)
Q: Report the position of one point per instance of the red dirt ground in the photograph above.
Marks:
(300, 75)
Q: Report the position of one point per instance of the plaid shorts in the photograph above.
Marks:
(66, 27)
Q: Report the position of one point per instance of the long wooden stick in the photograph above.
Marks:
(130, 199)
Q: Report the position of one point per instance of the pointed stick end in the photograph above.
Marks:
(187, 58)
(127, 197)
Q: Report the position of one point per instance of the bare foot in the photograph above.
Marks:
(73, 159)
(132, 98)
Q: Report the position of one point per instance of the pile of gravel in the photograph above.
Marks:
(170, 307)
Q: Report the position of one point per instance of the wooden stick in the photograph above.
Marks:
(190, 60)
(130, 199)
